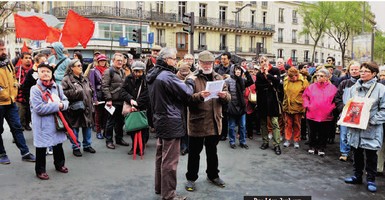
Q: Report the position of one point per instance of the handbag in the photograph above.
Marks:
(135, 121)
(252, 97)
(356, 112)
(77, 105)
(59, 123)
(127, 108)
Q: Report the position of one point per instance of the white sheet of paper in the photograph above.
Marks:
(214, 87)
(100, 102)
(111, 109)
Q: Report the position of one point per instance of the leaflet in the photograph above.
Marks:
(214, 87)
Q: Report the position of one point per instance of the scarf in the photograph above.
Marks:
(101, 69)
(47, 84)
(3, 63)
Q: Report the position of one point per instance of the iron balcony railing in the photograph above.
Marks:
(223, 48)
(238, 49)
(105, 11)
(253, 50)
(202, 47)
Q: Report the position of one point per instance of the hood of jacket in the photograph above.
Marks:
(58, 46)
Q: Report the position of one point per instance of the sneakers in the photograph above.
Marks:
(49, 151)
(190, 186)
(99, 136)
(29, 157)
(372, 187)
(311, 151)
(343, 158)
(89, 149)
(353, 180)
(321, 152)
(286, 143)
(217, 181)
(4, 160)
(77, 153)
(296, 145)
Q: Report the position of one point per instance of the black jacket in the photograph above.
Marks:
(267, 88)
(168, 99)
(130, 91)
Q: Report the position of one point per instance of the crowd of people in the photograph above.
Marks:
(280, 103)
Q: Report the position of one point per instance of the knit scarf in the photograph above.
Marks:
(47, 84)
(101, 69)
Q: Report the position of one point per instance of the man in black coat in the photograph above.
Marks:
(268, 80)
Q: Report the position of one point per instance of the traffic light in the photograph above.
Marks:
(188, 19)
(137, 35)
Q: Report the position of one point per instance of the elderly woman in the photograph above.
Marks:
(134, 92)
(78, 90)
(340, 101)
(318, 99)
(95, 77)
(44, 129)
(294, 85)
(367, 141)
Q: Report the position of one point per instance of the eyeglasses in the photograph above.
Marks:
(365, 71)
(321, 76)
(119, 60)
(262, 61)
(329, 61)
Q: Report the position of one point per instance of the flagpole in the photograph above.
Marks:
(61, 34)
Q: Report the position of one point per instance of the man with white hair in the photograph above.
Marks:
(189, 58)
(168, 97)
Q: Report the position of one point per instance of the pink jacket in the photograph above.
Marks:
(318, 99)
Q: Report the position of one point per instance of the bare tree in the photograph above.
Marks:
(6, 9)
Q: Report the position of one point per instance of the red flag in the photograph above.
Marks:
(53, 34)
(290, 62)
(33, 27)
(77, 27)
(24, 48)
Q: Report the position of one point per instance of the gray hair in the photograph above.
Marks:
(324, 71)
(70, 65)
(167, 52)
(117, 55)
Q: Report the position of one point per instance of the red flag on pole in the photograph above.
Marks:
(33, 27)
(290, 62)
(77, 27)
(53, 34)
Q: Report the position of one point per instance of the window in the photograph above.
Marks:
(202, 41)
(307, 38)
(294, 36)
(294, 55)
(295, 19)
(202, 10)
(252, 43)
(109, 31)
(280, 53)
(264, 15)
(223, 43)
(264, 44)
(181, 40)
(252, 18)
(181, 9)
(280, 35)
(130, 31)
(280, 15)
(160, 6)
(160, 36)
(264, 4)
(238, 43)
(306, 56)
(316, 57)
(322, 58)
(222, 13)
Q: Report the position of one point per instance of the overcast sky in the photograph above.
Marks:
(378, 8)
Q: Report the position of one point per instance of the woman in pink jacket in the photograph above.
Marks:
(318, 100)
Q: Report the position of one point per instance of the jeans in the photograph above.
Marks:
(241, 122)
(344, 146)
(86, 137)
(24, 113)
(10, 113)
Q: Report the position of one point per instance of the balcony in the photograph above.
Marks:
(293, 41)
(294, 59)
(264, 4)
(253, 50)
(316, 60)
(223, 48)
(280, 39)
(306, 60)
(161, 44)
(238, 49)
(202, 47)
(147, 16)
(295, 20)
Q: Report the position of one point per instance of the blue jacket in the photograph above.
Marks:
(372, 137)
(168, 99)
(60, 69)
(43, 121)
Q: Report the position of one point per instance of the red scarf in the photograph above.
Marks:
(101, 69)
(48, 84)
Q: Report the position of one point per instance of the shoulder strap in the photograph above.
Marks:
(60, 62)
(371, 90)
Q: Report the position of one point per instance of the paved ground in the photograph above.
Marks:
(112, 174)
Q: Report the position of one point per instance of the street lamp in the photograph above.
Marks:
(373, 36)
(237, 21)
